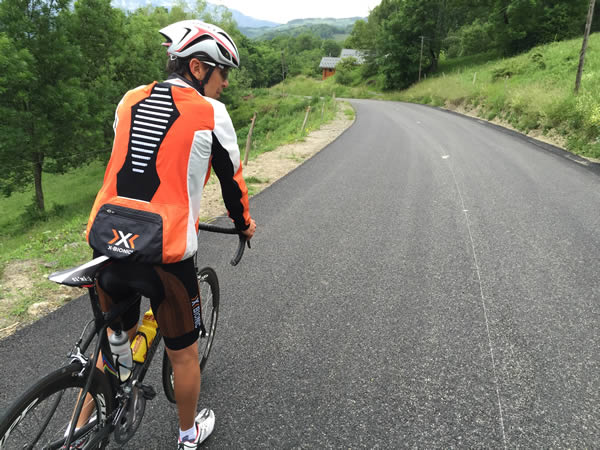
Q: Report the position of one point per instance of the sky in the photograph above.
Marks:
(282, 11)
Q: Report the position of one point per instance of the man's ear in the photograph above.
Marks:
(196, 68)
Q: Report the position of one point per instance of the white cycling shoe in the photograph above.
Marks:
(205, 423)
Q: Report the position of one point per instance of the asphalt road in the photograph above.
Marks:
(426, 281)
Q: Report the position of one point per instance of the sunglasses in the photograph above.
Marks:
(223, 70)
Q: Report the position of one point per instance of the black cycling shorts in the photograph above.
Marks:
(172, 290)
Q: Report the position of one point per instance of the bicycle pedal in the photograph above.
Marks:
(148, 392)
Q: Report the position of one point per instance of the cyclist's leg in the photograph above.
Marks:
(179, 319)
(186, 374)
(130, 318)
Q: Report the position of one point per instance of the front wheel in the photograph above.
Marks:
(41, 417)
(208, 285)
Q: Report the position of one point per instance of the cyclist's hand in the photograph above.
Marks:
(250, 231)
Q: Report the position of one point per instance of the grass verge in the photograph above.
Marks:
(531, 91)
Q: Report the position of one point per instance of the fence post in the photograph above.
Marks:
(305, 119)
(323, 111)
(474, 77)
(249, 140)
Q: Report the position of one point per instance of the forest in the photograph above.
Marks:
(396, 30)
(65, 65)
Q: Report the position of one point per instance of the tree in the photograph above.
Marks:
(331, 48)
(47, 105)
(98, 29)
(401, 25)
(305, 41)
(347, 71)
(362, 36)
(16, 70)
(519, 25)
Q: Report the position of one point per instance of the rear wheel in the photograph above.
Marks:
(41, 417)
(208, 285)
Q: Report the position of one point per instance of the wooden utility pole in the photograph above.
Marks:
(249, 140)
(421, 58)
(588, 26)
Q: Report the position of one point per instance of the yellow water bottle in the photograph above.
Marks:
(144, 337)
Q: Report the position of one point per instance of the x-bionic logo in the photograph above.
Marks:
(122, 239)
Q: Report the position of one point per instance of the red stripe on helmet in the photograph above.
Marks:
(191, 39)
(202, 31)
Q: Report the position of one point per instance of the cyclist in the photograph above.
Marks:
(168, 135)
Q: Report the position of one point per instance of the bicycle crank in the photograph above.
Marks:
(129, 417)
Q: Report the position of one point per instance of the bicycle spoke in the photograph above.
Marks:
(48, 418)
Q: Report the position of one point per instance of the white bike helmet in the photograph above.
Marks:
(202, 40)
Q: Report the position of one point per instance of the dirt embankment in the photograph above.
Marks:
(266, 168)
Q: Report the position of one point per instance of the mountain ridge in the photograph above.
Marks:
(262, 29)
(325, 28)
(241, 19)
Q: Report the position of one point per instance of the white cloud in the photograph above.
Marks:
(283, 11)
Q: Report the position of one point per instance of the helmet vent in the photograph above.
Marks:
(228, 39)
(224, 52)
(204, 37)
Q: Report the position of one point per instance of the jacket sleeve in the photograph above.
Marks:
(228, 168)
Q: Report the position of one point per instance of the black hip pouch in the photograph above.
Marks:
(120, 232)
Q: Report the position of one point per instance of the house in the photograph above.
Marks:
(349, 53)
(328, 63)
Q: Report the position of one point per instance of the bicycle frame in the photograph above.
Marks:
(110, 368)
(101, 322)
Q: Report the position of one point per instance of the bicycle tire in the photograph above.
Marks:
(208, 285)
(57, 392)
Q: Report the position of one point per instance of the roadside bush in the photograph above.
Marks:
(588, 108)
(347, 72)
(537, 58)
(504, 71)
(469, 40)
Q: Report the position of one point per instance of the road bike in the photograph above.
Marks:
(43, 417)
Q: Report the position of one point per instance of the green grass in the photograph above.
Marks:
(302, 85)
(534, 90)
(350, 113)
(453, 65)
(69, 198)
(64, 195)
(256, 180)
(50, 244)
(279, 118)
(254, 184)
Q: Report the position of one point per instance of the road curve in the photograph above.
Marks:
(427, 281)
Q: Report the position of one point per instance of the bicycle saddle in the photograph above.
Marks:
(81, 276)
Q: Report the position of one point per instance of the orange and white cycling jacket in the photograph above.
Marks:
(167, 137)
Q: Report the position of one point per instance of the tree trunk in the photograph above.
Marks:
(434, 61)
(37, 178)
